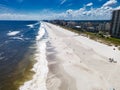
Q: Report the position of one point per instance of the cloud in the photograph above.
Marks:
(62, 2)
(80, 14)
(117, 8)
(101, 13)
(5, 9)
(16, 16)
(110, 3)
(89, 4)
(10, 16)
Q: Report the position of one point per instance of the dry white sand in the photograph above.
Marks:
(79, 63)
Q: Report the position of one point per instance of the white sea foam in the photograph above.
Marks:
(18, 38)
(2, 58)
(40, 68)
(31, 25)
(41, 32)
(13, 33)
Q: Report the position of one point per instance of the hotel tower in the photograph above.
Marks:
(115, 24)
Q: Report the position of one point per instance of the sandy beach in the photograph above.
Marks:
(79, 63)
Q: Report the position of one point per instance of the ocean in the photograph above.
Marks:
(22, 44)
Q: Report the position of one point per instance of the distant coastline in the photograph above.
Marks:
(102, 35)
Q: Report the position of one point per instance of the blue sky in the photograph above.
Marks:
(57, 9)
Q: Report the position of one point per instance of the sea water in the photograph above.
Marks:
(38, 82)
(22, 42)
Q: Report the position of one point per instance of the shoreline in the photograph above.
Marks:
(87, 67)
(74, 63)
(40, 68)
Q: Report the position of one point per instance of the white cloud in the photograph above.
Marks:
(89, 4)
(4, 9)
(101, 13)
(14, 16)
(80, 14)
(9, 16)
(110, 3)
(117, 8)
(62, 2)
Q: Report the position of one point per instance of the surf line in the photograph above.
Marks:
(40, 68)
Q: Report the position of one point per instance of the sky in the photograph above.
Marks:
(57, 9)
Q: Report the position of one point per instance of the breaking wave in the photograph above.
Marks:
(13, 33)
(32, 25)
(38, 81)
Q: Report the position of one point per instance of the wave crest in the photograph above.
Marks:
(40, 68)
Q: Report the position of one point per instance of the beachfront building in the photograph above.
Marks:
(115, 24)
(107, 27)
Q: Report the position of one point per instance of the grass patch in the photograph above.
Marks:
(100, 37)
